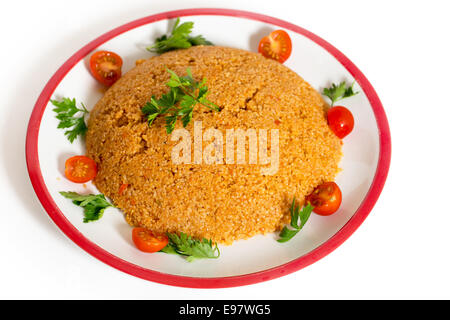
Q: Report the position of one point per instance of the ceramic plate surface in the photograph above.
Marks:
(365, 163)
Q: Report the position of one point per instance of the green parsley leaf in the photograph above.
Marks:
(287, 234)
(199, 40)
(170, 123)
(187, 117)
(66, 110)
(178, 39)
(93, 204)
(170, 249)
(187, 101)
(192, 249)
(183, 29)
(179, 102)
(339, 92)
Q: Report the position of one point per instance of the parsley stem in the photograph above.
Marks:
(84, 108)
(193, 97)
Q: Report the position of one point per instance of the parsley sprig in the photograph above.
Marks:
(93, 204)
(288, 233)
(66, 110)
(179, 102)
(339, 92)
(192, 249)
(178, 39)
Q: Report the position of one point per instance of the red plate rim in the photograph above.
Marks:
(196, 282)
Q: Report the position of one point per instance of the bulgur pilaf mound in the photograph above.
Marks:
(222, 202)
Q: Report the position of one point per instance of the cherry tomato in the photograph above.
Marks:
(80, 169)
(147, 241)
(325, 199)
(277, 45)
(340, 120)
(106, 67)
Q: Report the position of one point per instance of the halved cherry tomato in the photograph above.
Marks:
(325, 199)
(147, 241)
(340, 120)
(80, 169)
(106, 67)
(277, 45)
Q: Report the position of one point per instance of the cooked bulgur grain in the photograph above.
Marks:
(222, 202)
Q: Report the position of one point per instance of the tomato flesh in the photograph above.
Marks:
(106, 67)
(326, 198)
(277, 46)
(80, 169)
(340, 121)
(147, 241)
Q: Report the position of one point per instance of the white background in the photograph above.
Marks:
(400, 251)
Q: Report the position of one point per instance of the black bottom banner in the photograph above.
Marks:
(222, 309)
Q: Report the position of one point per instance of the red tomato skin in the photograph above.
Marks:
(331, 201)
(340, 121)
(146, 241)
(80, 169)
(113, 64)
(277, 46)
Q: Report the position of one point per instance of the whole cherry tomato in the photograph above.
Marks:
(340, 120)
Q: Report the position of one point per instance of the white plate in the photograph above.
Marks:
(365, 163)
